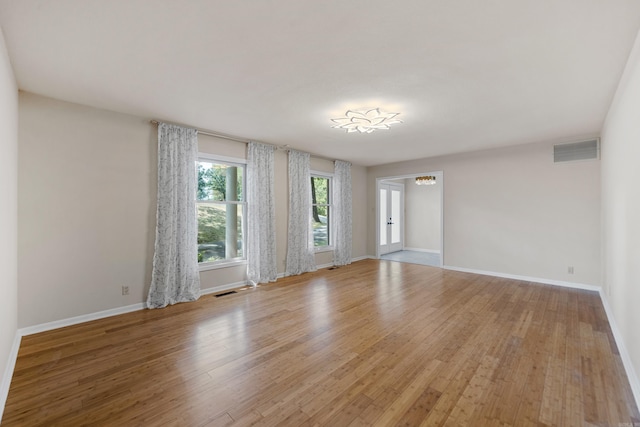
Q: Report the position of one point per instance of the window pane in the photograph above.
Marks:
(319, 190)
(219, 232)
(320, 222)
(219, 182)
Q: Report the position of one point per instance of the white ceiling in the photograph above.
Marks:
(464, 74)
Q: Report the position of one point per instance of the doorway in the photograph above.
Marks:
(410, 218)
(390, 217)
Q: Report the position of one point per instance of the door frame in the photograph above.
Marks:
(401, 219)
(440, 176)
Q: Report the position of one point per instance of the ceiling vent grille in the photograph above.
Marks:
(585, 150)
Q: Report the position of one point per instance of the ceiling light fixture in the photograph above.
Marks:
(365, 121)
(426, 180)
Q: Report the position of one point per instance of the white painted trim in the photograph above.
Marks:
(397, 186)
(439, 174)
(13, 355)
(321, 249)
(320, 174)
(632, 377)
(233, 161)
(360, 258)
(430, 251)
(573, 285)
(205, 266)
(43, 327)
(8, 372)
(222, 288)
(330, 264)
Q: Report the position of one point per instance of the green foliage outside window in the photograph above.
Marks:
(217, 211)
(320, 210)
(212, 182)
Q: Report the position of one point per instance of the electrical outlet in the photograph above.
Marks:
(570, 269)
(125, 290)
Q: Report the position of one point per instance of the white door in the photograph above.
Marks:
(391, 217)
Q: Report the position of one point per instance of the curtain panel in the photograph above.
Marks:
(175, 277)
(261, 217)
(300, 252)
(342, 213)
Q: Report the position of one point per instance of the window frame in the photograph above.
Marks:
(329, 205)
(227, 161)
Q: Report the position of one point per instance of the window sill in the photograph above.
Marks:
(221, 264)
(323, 249)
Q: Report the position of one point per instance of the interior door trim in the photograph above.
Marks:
(440, 175)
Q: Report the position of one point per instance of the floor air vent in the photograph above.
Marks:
(584, 150)
(225, 293)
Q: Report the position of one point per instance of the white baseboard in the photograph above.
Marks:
(527, 278)
(80, 319)
(222, 288)
(13, 355)
(360, 258)
(330, 264)
(632, 376)
(634, 380)
(321, 266)
(8, 372)
(43, 327)
(356, 259)
(135, 307)
(129, 308)
(430, 251)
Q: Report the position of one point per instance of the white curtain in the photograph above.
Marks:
(261, 216)
(175, 276)
(342, 213)
(300, 254)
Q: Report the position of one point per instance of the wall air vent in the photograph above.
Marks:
(585, 150)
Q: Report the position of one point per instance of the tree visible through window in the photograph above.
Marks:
(320, 206)
(220, 206)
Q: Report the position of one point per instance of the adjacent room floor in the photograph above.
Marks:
(414, 257)
(374, 343)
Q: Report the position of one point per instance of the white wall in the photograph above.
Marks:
(513, 211)
(422, 215)
(87, 202)
(8, 218)
(621, 208)
(87, 196)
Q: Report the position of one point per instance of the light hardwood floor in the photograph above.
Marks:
(375, 343)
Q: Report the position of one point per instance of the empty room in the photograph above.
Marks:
(296, 213)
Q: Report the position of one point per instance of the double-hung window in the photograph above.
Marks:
(321, 211)
(221, 210)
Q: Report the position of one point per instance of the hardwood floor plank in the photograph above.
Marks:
(409, 395)
(373, 343)
(471, 404)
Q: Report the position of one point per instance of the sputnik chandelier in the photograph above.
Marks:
(365, 121)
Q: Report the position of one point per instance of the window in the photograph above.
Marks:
(321, 210)
(221, 211)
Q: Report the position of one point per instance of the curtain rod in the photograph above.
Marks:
(244, 141)
(214, 134)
